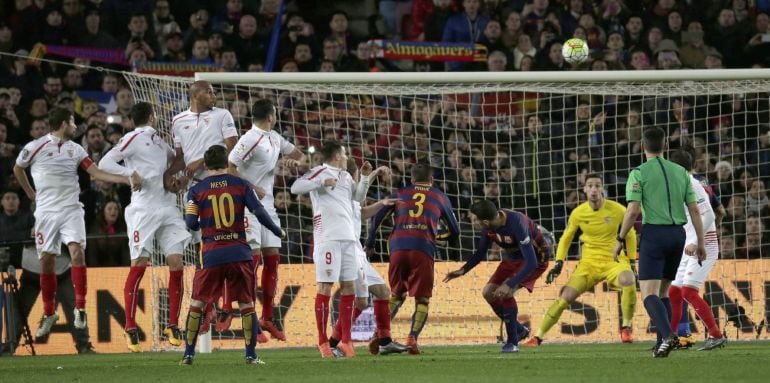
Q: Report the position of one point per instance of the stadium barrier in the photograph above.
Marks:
(741, 306)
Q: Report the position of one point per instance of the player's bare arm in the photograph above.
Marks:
(697, 223)
(21, 176)
(229, 144)
(177, 165)
(454, 274)
(371, 210)
(633, 210)
(135, 181)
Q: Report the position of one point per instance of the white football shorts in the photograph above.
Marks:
(54, 228)
(336, 261)
(370, 276)
(690, 273)
(161, 224)
(259, 236)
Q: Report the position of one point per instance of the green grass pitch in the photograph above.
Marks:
(616, 363)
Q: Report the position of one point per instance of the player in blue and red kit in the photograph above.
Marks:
(215, 206)
(525, 256)
(412, 243)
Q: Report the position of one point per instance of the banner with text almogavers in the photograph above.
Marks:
(427, 51)
(738, 291)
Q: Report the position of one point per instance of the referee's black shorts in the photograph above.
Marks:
(660, 250)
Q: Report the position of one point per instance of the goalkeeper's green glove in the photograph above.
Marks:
(554, 272)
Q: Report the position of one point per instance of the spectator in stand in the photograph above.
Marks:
(289, 65)
(295, 31)
(393, 12)
(550, 58)
(693, 50)
(338, 30)
(667, 55)
(756, 198)
(595, 35)
(199, 28)
(492, 39)
(163, 22)
(200, 52)
(93, 35)
(110, 83)
(332, 51)
(464, 27)
(534, 14)
(247, 46)
(216, 43)
(125, 100)
(303, 55)
(523, 48)
(758, 47)
(527, 63)
(674, 27)
(175, 48)
(497, 61)
(634, 37)
(73, 80)
(654, 37)
(103, 252)
(727, 247)
(713, 59)
(95, 144)
(728, 38)
(569, 18)
(226, 21)
(141, 37)
(228, 60)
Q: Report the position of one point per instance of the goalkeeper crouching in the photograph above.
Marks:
(599, 220)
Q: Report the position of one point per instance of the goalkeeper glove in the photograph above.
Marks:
(633, 269)
(554, 272)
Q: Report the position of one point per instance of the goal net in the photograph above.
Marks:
(526, 141)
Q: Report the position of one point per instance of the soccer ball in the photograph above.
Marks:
(575, 51)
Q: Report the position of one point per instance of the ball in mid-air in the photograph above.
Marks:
(575, 51)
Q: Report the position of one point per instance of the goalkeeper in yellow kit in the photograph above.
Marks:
(599, 220)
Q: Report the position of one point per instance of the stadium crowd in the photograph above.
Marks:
(525, 155)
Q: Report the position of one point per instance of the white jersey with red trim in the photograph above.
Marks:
(256, 156)
(55, 171)
(143, 150)
(194, 133)
(707, 217)
(332, 207)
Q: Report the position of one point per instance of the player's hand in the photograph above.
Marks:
(381, 171)
(454, 274)
(691, 249)
(193, 168)
(633, 269)
(31, 195)
(555, 271)
(260, 192)
(504, 291)
(701, 254)
(330, 182)
(366, 168)
(369, 252)
(135, 181)
(292, 163)
(616, 250)
(387, 201)
(283, 234)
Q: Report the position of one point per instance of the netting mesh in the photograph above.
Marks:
(527, 146)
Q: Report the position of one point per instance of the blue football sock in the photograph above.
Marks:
(684, 324)
(510, 315)
(656, 309)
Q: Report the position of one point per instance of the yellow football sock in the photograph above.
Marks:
(628, 304)
(394, 304)
(193, 325)
(551, 316)
(419, 318)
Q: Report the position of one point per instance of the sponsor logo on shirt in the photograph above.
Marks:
(525, 241)
(24, 154)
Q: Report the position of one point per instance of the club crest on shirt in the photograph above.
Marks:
(635, 186)
(240, 149)
(206, 120)
(508, 239)
(608, 220)
(70, 152)
(24, 154)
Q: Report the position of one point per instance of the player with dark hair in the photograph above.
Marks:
(416, 220)
(692, 272)
(660, 189)
(524, 259)
(255, 158)
(598, 220)
(151, 217)
(215, 206)
(59, 218)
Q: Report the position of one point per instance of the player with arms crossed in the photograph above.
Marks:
(255, 158)
(215, 206)
(151, 216)
(334, 251)
(599, 220)
(194, 131)
(524, 259)
(693, 272)
(412, 243)
(59, 218)
(371, 283)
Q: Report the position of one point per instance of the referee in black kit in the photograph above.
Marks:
(660, 189)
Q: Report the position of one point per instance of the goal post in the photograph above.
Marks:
(525, 140)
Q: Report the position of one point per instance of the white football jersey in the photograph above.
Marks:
(332, 207)
(706, 213)
(194, 133)
(55, 171)
(256, 156)
(145, 152)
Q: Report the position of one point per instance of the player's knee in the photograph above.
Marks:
(48, 263)
(422, 300)
(489, 293)
(569, 294)
(324, 288)
(362, 303)
(174, 262)
(379, 291)
(76, 254)
(625, 279)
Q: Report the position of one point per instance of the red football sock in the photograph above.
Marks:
(702, 309)
(382, 317)
(338, 326)
(675, 296)
(48, 288)
(80, 283)
(269, 284)
(130, 291)
(321, 316)
(175, 292)
(347, 302)
(227, 302)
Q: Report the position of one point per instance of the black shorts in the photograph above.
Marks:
(660, 251)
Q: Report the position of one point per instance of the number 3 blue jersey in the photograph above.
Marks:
(215, 206)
